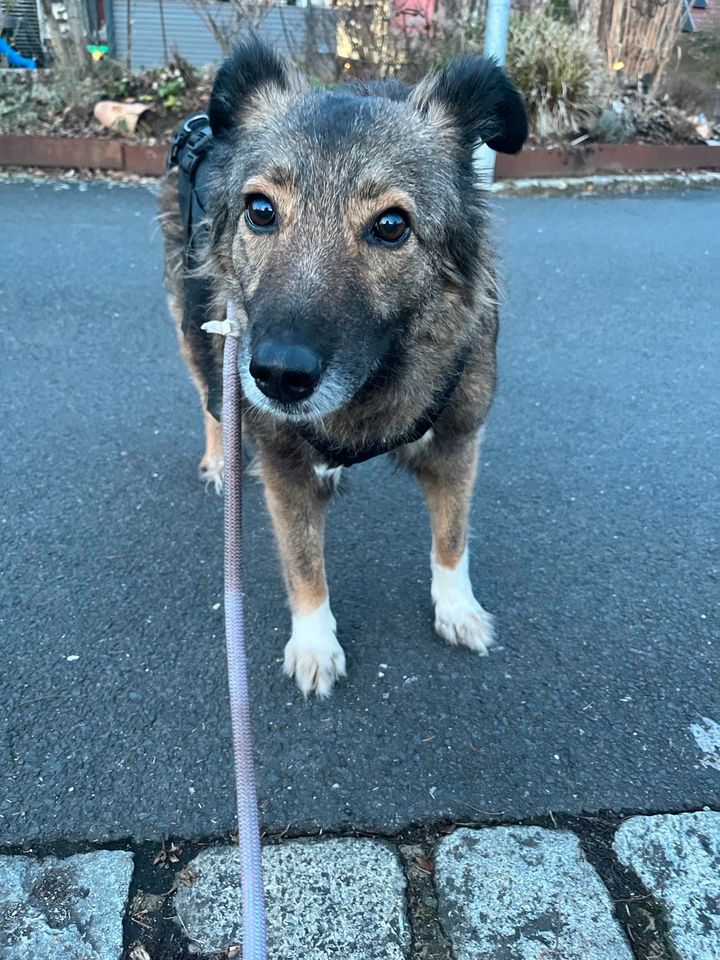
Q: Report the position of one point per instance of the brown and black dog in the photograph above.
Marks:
(349, 231)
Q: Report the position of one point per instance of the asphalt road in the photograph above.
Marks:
(595, 544)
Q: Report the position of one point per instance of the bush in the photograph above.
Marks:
(612, 126)
(559, 71)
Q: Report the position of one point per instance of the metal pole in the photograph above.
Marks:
(163, 33)
(496, 35)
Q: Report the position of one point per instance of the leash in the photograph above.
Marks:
(254, 946)
(187, 151)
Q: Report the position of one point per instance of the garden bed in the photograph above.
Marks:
(90, 153)
(47, 118)
(51, 103)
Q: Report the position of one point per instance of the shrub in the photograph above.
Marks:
(560, 72)
(612, 126)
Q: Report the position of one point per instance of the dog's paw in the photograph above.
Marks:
(315, 668)
(459, 618)
(313, 655)
(465, 623)
(211, 471)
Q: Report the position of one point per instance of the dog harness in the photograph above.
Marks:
(189, 152)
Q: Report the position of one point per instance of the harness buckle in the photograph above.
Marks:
(186, 134)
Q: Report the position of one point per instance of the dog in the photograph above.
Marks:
(348, 229)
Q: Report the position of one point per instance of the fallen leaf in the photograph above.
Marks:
(167, 855)
(186, 876)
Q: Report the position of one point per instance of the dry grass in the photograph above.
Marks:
(559, 71)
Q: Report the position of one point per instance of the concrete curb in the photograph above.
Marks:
(606, 183)
(95, 153)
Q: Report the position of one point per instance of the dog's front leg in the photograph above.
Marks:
(446, 470)
(297, 499)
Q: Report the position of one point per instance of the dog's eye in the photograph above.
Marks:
(391, 227)
(259, 211)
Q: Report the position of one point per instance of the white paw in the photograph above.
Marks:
(212, 471)
(459, 618)
(466, 624)
(313, 655)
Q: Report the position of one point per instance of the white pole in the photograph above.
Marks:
(496, 35)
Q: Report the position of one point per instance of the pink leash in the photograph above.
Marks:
(253, 901)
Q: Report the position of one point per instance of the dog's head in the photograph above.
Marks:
(338, 218)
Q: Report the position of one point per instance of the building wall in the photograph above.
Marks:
(294, 31)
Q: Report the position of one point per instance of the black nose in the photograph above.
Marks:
(285, 372)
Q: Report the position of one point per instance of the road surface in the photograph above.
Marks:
(595, 544)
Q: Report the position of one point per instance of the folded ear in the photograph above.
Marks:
(481, 98)
(250, 67)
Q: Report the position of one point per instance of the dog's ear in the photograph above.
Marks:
(482, 100)
(251, 66)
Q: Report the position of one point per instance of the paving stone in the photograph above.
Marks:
(70, 909)
(677, 857)
(524, 893)
(325, 899)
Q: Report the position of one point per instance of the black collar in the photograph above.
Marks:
(335, 455)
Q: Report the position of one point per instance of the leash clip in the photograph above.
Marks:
(229, 327)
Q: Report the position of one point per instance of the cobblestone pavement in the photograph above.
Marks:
(646, 888)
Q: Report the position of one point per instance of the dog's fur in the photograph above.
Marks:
(392, 324)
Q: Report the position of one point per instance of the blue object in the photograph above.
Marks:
(14, 58)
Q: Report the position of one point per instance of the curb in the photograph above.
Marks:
(609, 183)
(83, 153)
(586, 161)
(95, 153)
